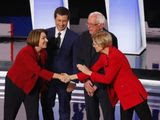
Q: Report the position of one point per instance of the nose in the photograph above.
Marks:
(61, 23)
(46, 40)
(89, 27)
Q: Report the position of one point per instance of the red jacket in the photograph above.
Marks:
(25, 70)
(119, 74)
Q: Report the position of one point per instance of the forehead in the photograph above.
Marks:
(64, 17)
(42, 34)
(92, 19)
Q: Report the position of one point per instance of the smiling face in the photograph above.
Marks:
(42, 41)
(61, 22)
(92, 24)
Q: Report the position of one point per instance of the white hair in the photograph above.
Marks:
(99, 17)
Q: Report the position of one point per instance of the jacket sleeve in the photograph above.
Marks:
(74, 56)
(30, 63)
(98, 65)
(111, 71)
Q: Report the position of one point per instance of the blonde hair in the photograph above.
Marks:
(102, 38)
(34, 36)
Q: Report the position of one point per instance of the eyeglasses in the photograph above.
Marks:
(91, 24)
(95, 44)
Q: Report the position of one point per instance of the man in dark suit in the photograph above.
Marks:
(95, 93)
(61, 59)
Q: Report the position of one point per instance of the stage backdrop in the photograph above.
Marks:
(42, 12)
(126, 21)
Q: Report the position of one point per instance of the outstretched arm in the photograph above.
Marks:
(84, 69)
(63, 77)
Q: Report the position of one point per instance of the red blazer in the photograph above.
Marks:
(25, 70)
(118, 73)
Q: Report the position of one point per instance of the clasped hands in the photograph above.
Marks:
(64, 77)
(88, 85)
(90, 88)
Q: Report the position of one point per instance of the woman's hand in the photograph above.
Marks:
(73, 77)
(63, 77)
(84, 69)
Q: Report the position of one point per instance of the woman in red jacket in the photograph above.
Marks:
(24, 77)
(118, 73)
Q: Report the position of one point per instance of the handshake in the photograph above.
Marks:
(64, 77)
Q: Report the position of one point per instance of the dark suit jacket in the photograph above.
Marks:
(63, 60)
(25, 70)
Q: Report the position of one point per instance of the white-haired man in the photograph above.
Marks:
(95, 93)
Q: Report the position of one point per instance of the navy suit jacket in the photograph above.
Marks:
(63, 60)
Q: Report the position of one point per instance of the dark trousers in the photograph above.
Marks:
(142, 111)
(48, 101)
(14, 97)
(92, 105)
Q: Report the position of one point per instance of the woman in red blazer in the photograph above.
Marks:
(24, 77)
(118, 74)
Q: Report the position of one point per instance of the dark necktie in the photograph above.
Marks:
(59, 40)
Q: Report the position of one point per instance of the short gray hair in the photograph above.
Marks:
(99, 17)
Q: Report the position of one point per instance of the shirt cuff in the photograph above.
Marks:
(73, 82)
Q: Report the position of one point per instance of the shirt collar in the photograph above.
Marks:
(62, 32)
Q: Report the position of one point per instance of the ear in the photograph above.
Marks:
(101, 25)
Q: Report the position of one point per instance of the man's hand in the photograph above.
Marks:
(71, 86)
(89, 88)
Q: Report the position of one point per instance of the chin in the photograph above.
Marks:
(91, 32)
(61, 28)
(44, 46)
(97, 50)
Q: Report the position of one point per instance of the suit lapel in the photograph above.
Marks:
(66, 39)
